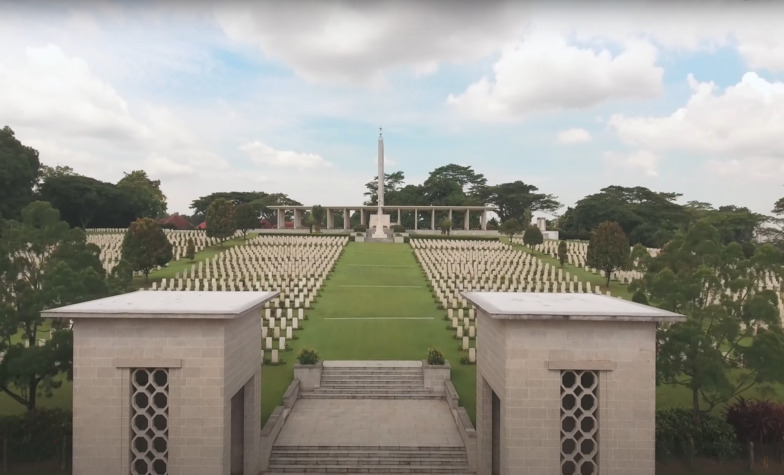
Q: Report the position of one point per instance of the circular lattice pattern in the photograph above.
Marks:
(149, 421)
(579, 423)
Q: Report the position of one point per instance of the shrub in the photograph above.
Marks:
(398, 228)
(435, 356)
(360, 228)
(676, 434)
(308, 356)
(37, 435)
(761, 422)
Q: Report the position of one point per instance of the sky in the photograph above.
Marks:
(288, 97)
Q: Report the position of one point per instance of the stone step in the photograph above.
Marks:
(376, 469)
(339, 459)
(372, 371)
(355, 395)
(324, 381)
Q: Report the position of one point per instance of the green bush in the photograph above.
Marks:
(308, 356)
(37, 435)
(676, 434)
(360, 228)
(761, 422)
(435, 356)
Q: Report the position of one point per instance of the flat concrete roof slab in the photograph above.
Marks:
(164, 304)
(566, 306)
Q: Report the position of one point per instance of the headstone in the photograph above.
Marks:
(289, 333)
(465, 342)
(268, 343)
(295, 323)
(454, 322)
(281, 343)
(472, 355)
(263, 332)
(460, 332)
(472, 331)
(274, 356)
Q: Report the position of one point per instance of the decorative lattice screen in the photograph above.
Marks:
(149, 421)
(579, 422)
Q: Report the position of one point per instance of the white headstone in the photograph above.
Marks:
(274, 357)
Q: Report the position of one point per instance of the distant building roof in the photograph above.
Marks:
(178, 221)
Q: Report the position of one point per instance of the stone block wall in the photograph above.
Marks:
(522, 362)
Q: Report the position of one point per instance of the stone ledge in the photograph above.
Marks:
(147, 363)
(577, 365)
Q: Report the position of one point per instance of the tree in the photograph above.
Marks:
(220, 220)
(58, 170)
(645, 216)
(608, 249)
(732, 339)
(445, 225)
(309, 221)
(146, 197)
(532, 236)
(19, 172)
(146, 246)
(84, 201)
(246, 217)
(259, 199)
(190, 249)
(510, 227)
(393, 183)
(319, 215)
(513, 199)
(562, 252)
(43, 264)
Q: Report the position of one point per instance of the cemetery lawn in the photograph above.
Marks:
(375, 305)
(616, 288)
(181, 265)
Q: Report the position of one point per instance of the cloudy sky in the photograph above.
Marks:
(288, 96)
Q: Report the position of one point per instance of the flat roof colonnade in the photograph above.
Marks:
(366, 211)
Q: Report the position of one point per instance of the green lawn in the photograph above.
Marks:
(376, 305)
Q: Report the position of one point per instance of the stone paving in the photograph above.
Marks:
(369, 422)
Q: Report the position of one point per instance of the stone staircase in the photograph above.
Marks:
(371, 382)
(339, 459)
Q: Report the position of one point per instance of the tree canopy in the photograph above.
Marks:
(532, 236)
(145, 195)
(608, 249)
(260, 200)
(145, 246)
(87, 202)
(733, 330)
(220, 219)
(516, 198)
(19, 173)
(43, 264)
(510, 227)
(246, 217)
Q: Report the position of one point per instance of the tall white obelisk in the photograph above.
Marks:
(380, 170)
(380, 220)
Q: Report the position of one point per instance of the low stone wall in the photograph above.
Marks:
(464, 426)
(436, 376)
(269, 433)
(291, 394)
(309, 376)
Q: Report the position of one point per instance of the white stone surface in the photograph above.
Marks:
(149, 304)
(565, 306)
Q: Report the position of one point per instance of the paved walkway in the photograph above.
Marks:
(370, 422)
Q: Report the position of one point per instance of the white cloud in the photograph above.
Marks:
(753, 27)
(575, 135)
(746, 119)
(263, 154)
(356, 42)
(640, 161)
(543, 72)
(47, 89)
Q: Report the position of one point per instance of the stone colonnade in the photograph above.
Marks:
(395, 211)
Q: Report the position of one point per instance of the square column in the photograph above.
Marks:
(362, 216)
(432, 218)
(466, 220)
(346, 221)
(484, 220)
(297, 218)
(416, 219)
(188, 367)
(330, 219)
(565, 370)
(398, 216)
(281, 218)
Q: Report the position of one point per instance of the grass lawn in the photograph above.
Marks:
(616, 288)
(376, 305)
